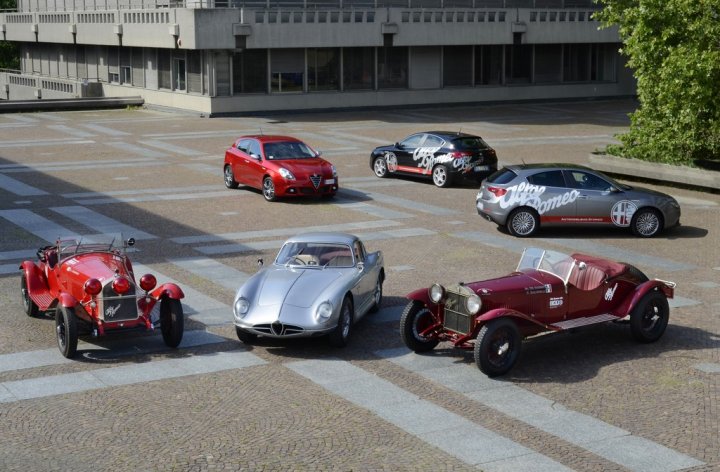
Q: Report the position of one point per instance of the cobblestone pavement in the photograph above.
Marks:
(593, 400)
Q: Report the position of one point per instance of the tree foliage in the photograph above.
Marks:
(673, 47)
(9, 52)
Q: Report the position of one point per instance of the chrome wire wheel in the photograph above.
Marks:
(646, 223)
(523, 222)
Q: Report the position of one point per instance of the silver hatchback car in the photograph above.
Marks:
(524, 197)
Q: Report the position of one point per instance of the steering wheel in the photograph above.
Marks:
(299, 261)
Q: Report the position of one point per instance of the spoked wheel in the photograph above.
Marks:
(380, 167)
(497, 347)
(229, 178)
(646, 223)
(441, 176)
(377, 295)
(339, 336)
(268, 189)
(244, 336)
(523, 222)
(29, 306)
(66, 331)
(650, 317)
(172, 321)
(415, 319)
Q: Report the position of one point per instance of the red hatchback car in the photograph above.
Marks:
(280, 166)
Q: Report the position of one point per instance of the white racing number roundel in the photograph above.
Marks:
(622, 213)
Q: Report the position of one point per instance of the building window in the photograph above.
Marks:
(287, 70)
(576, 63)
(250, 71)
(194, 71)
(518, 63)
(164, 75)
(457, 66)
(488, 65)
(602, 62)
(392, 66)
(179, 70)
(126, 74)
(548, 63)
(359, 68)
(323, 66)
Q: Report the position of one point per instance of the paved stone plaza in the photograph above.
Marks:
(593, 400)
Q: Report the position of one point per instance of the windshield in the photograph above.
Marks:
(315, 255)
(68, 247)
(552, 262)
(614, 182)
(288, 150)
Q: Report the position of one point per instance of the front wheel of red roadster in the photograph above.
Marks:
(415, 319)
(31, 309)
(497, 347)
(172, 321)
(66, 331)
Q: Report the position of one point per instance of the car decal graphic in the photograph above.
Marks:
(391, 161)
(528, 194)
(622, 213)
(427, 159)
(610, 293)
(575, 219)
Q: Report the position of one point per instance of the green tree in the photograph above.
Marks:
(673, 47)
(9, 52)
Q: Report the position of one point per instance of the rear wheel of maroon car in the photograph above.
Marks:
(497, 347)
(31, 309)
(66, 330)
(523, 222)
(172, 321)
(339, 336)
(244, 336)
(649, 318)
(229, 178)
(415, 319)
(268, 189)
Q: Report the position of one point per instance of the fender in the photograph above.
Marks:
(37, 285)
(169, 290)
(67, 300)
(420, 295)
(667, 288)
(505, 312)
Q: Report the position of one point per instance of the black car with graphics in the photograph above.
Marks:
(444, 156)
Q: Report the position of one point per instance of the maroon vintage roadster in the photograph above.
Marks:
(90, 287)
(548, 292)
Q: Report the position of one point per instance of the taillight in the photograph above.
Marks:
(497, 191)
(92, 287)
(148, 282)
(121, 285)
(460, 154)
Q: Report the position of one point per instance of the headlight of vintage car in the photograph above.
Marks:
(286, 174)
(473, 304)
(241, 307)
(324, 311)
(436, 293)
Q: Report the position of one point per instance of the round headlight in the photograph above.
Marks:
(148, 282)
(242, 306)
(121, 285)
(436, 293)
(473, 304)
(93, 287)
(324, 311)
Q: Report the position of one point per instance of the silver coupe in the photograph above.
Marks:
(320, 284)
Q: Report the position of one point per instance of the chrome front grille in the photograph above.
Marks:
(278, 329)
(456, 316)
(113, 307)
(316, 179)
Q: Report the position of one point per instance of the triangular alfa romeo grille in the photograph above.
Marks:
(316, 179)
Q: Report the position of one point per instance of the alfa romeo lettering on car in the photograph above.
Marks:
(525, 197)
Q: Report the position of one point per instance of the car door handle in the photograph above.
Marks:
(583, 197)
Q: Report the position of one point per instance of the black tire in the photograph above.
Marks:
(66, 331)
(441, 176)
(497, 347)
(172, 321)
(377, 295)
(268, 189)
(229, 178)
(646, 223)
(415, 318)
(523, 222)
(340, 335)
(244, 336)
(650, 317)
(636, 273)
(29, 306)
(380, 167)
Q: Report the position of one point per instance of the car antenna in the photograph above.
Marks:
(459, 131)
(261, 133)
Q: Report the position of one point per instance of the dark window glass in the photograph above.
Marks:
(576, 63)
(254, 148)
(457, 66)
(250, 71)
(288, 66)
(518, 63)
(323, 69)
(548, 63)
(194, 71)
(358, 68)
(412, 141)
(588, 181)
(393, 67)
(469, 143)
(552, 178)
(164, 69)
(488, 65)
(433, 141)
(503, 176)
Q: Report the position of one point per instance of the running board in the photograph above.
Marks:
(576, 323)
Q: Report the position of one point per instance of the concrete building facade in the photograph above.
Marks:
(228, 56)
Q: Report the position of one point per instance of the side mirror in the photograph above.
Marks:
(255, 156)
(131, 242)
(398, 145)
(260, 262)
(318, 154)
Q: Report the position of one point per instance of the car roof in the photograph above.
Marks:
(324, 237)
(529, 167)
(268, 138)
(449, 135)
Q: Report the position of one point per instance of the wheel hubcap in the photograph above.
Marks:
(523, 223)
(422, 322)
(269, 189)
(439, 176)
(346, 323)
(380, 167)
(228, 176)
(61, 333)
(378, 292)
(651, 318)
(647, 224)
(500, 348)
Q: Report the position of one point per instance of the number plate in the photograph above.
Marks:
(481, 168)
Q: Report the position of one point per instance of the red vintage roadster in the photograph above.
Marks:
(548, 292)
(90, 287)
